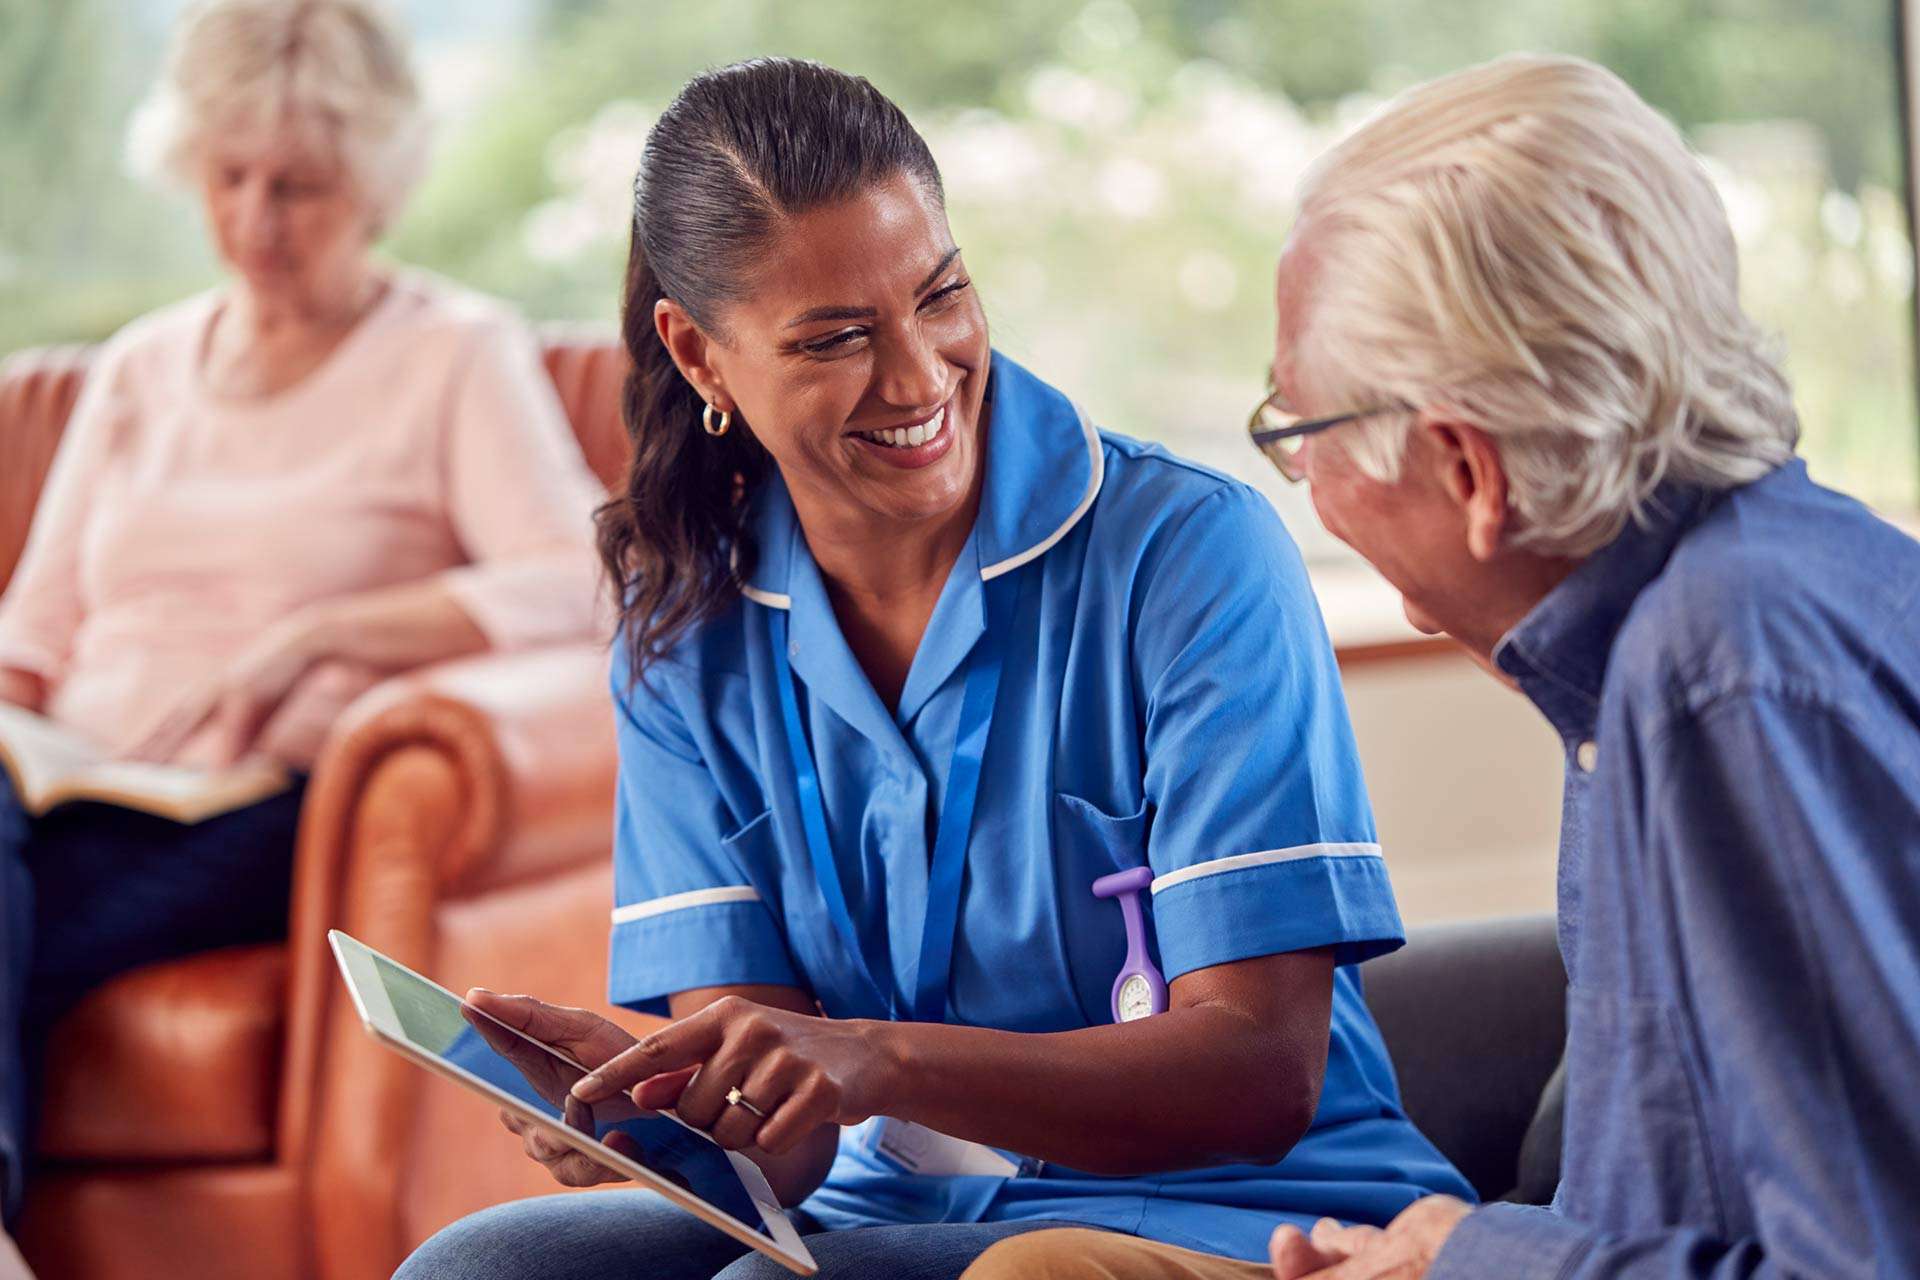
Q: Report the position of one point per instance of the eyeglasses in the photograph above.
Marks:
(1282, 434)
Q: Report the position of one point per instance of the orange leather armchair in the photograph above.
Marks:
(225, 1115)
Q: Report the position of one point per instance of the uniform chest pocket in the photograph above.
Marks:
(754, 852)
(755, 849)
(1635, 1150)
(1088, 843)
(818, 955)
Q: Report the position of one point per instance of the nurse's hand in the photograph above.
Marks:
(799, 1070)
(588, 1039)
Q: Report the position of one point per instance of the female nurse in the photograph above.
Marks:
(913, 655)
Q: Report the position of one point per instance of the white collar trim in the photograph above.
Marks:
(1097, 475)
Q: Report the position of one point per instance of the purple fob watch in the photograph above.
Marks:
(1139, 991)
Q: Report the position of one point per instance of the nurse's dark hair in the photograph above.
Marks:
(736, 153)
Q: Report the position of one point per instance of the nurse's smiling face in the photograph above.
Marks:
(859, 358)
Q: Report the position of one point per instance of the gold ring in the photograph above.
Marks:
(737, 1099)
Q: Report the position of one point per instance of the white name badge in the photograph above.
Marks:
(914, 1148)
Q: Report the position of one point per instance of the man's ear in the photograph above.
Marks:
(1468, 467)
(691, 350)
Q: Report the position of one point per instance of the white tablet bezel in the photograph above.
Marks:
(377, 1015)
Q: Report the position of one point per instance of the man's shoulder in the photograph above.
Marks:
(1786, 587)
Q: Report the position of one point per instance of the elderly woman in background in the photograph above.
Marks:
(268, 497)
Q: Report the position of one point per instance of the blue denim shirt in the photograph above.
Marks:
(1737, 682)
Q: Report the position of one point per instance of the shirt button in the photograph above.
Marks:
(1587, 755)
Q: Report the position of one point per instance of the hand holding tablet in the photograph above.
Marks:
(585, 1037)
(487, 1046)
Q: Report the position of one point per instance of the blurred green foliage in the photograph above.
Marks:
(1117, 171)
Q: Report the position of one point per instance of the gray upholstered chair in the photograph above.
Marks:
(1475, 1018)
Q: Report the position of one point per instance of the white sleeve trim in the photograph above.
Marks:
(682, 901)
(1264, 858)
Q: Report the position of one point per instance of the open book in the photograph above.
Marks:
(51, 766)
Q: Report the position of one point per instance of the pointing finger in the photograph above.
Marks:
(686, 1043)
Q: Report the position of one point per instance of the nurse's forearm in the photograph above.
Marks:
(1230, 1074)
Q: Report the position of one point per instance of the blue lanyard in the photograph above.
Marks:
(956, 815)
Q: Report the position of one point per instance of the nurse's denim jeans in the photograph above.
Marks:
(91, 891)
(635, 1235)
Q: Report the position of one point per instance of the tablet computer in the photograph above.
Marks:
(435, 1028)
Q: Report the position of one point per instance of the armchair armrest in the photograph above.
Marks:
(37, 392)
(442, 782)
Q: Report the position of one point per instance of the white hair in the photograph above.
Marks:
(1529, 248)
(335, 68)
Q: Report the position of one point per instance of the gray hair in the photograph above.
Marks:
(1527, 247)
(340, 67)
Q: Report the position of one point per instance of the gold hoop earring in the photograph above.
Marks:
(706, 421)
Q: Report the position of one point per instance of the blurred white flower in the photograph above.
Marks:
(559, 231)
(1749, 207)
(459, 76)
(986, 158)
(1892, 257)
(1106, 26)
(1065, 96)
(1779, 153)
(1840, 216)
(596, 162)
(1255, 139)
(1208, 281)
(1131, 188)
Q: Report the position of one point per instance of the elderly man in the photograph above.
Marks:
(1513, 367)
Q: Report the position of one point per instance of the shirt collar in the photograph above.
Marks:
(1558, 652)
(1044, 469)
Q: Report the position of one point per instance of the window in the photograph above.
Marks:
(1120, 171)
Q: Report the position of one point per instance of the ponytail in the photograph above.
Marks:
(675, 541)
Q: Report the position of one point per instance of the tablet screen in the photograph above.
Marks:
(438, 1023)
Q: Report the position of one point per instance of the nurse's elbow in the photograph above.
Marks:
(1269, 1108)
(1271, 1130)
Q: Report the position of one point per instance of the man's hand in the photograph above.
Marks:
(1403, 1251)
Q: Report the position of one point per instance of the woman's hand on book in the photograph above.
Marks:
(24, 689)
(223, 718)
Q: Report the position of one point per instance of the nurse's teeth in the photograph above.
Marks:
(908, 437)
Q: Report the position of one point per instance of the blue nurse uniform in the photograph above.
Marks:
(1168, 698)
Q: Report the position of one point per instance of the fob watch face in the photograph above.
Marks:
(1136, 998)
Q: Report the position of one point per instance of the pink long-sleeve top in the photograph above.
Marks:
(175, 526)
